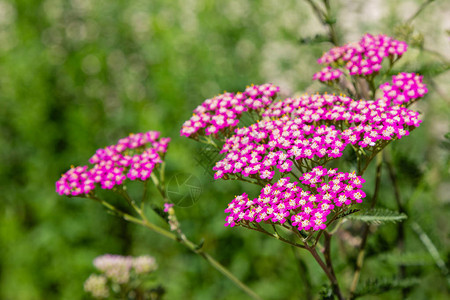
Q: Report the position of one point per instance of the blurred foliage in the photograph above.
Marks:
(378, 216)
(78, 75)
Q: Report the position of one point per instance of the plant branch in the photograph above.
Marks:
(130, 218)
(327, 255)
(419, 10)
(365, 234)
(275, 236)
(181, 239)
(325, 18)
(328, 272)
(400, 225)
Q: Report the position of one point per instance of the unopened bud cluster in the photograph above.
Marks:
(117, 269)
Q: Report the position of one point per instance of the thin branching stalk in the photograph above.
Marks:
(130, 218)
(197, 249)
(400, 208)
(328, 261)
(366, 227)
(295, 175)
(144, 194)
(179, 237)
(372, 87)
(328, 272)
(275, 236)
(419, 10)
(325, 18)
(336, 215)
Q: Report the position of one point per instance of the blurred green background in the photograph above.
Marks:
(78, 75)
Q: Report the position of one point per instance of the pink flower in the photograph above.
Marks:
(222, 112)
(362, 58)
(313, 127)
(305, 208)
(133, 157)
(405, 88)
(167, 206)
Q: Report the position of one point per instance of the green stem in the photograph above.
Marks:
(209, 141)
(181, 239)
(327, 255)
(375, 152)
(365, 234)
(277, 236)
(400, 225)
(325, 18)
(331, 28)
(144, 194)
(228, 274)
(373, 89)
(192, 246)
(130, 218)
(421, 8)
(328, 272)
(293, 174)
(239, 177)
(328, 224)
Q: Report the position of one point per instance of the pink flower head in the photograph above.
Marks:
(362, 58)
(133, 157)
(222, 112)
(313, 127)
(327, 74)
(305, 208)
(405, 88)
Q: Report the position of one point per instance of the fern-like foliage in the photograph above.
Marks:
(326, 293)
(406, 259)
(381, 285)
(347, 213)
(378, 216)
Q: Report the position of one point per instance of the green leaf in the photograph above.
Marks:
(347, 213)
(445, 144)
(326, 293)
(378, 216)
(381, 285)
(432, 249)
(318, 38)
(405, 258)
(407, 168)
(432, 69)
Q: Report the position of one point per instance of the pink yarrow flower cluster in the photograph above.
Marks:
(311, 127)
(333, 109)
(259, 150)
(364, 57)
(133, 157)
(361, 122)
(327, 74)
(284, 202)
(223, 111)
(404, 88)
